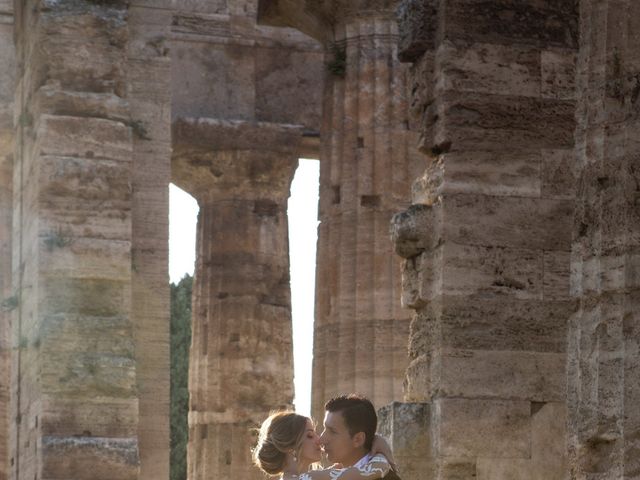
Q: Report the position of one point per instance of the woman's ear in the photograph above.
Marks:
(358, 439)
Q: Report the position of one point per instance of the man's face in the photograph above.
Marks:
(338, 443)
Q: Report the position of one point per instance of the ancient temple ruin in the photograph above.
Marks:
(478, 267)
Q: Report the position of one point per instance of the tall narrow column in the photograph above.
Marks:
(604, 334)
(148, 72)
(7, 299)
(241, 358)
(366, 168)
(487, 242)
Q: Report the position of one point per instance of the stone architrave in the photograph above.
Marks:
(241, 357)
(90, 348)
(367, 164)
(7, 299)
(486, 243)
(603, 368)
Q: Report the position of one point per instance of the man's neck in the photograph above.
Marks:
(355, 458)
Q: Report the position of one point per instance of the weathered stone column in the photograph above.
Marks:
(367, 164)
(85, 206)
(241, 359)
(148, 73)
(487, 242)
(604, 334)
(7, 300)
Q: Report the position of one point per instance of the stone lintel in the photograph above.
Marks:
(317, 18)
(219, 159)
(210, 134)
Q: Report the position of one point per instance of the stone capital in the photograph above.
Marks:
(215, 159)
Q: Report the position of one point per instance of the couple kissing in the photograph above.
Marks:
(288, 445)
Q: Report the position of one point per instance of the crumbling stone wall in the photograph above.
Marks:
(487, 241)
(604, 362)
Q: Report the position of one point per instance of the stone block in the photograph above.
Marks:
(548, 435)
(407, 427)
(417, 25)
(536, 224)
(416, 229)
(469, 428)
(62, 136)
(557, 173)
(493, 173)
(471, 270)
(297, 73)
(457, 469)
(194, 95)
(86, 458)
(417, 384)
(558, 72)
(83, 48)
(51, 100)
(89, 197)
(97, 417)
(557, 270)
(422, 278)
(482, 323)
(489, 68)
(473, 121)
(548, 22)
(504, 374)
(93, 297)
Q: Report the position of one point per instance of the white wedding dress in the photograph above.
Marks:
(376, 467)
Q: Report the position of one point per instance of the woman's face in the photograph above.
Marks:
(310, 451)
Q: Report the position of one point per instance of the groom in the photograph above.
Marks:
(350, 424)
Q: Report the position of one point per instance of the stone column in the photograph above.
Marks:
(367, 164)
(604, 334)
(241, 358)
(487, 242)
(148, 71)
(7, 300)
(87, 131)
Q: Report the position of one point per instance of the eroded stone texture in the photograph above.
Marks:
(7, 298)
(604, 362)
(89, 123)
(241, 357)
(487, 242)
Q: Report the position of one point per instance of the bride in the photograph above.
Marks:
(288, 444)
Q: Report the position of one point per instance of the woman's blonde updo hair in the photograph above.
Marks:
(280, 434)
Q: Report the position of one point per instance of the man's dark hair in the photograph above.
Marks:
(358, 413)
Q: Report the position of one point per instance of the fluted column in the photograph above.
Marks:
(603, 361)
(241, 357)
(366, 168)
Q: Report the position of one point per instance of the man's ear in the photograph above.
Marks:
(358, 439)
